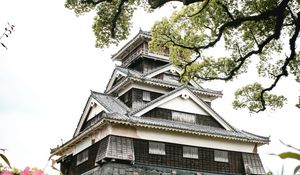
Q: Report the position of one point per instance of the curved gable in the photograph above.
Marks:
(169, 99)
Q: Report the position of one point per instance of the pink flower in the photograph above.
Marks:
(38, 173)
(6, 173)
(26, 171)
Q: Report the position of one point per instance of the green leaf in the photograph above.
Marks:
(297, 169)
(5, 159)
(290, 155)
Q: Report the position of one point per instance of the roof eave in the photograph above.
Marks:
(188, 131)
(140, 37)
(61, 149)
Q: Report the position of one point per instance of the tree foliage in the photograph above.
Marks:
(7, 31)
(262, 31)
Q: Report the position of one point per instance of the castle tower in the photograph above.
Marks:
(147, 122)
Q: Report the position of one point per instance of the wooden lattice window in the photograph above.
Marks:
(252, 164)
(157, 148)
(190, 152)
(221, 156)
(183, 117)
(82, 157)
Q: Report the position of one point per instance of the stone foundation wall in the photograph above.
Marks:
(125, 169)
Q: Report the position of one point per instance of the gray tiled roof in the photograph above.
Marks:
(129, 71)
(110, 103)
(137, 38)
(118, 111)
(177, 84)
(162, 67)
(159, 68)
(201, 129)
(135, 75)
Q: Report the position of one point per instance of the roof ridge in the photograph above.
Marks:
(128, 69)
(110, 79)
(117, 100)
(99, 101)
(98, 92)
(158, 68)
(178, 84)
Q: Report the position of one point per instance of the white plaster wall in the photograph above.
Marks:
(98, 135)
(164, 136)
(94, 111)
(184, 105)
(180, 138)
(82, 145)
(195, 140)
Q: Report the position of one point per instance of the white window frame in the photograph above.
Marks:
(190, 152)
(82, 157)
(183, 117)
(157, 148)
(146, 96)
(221, 156)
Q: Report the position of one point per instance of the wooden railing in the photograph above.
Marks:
(140, 52)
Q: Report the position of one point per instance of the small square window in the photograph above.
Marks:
(82, 157)
(157, 148)
(146, 96)
(221, 156)
(190, 152)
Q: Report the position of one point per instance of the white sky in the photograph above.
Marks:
(51, 64)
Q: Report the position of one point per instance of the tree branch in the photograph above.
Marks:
(93, 2)
(190, 63)
(158, 3)
(204, 6)
(276, 12)
(284, 71)
(226, 10)
(116, 17)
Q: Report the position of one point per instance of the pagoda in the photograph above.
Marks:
(148, 122)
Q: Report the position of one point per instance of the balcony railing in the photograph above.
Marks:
(140, 52)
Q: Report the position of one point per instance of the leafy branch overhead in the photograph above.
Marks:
(7, 31)
(263, 31)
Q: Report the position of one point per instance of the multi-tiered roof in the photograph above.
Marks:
(144, 94)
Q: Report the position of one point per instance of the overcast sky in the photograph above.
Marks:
(51, 65)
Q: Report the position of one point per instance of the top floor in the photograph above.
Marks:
(130, 54)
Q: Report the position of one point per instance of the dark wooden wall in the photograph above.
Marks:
(129, 100)
(70, 167)
(136, 95)
(145, 65)
(167, 114)
(174, 159)
(91, 122)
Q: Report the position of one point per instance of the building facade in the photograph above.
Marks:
(147, 122)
